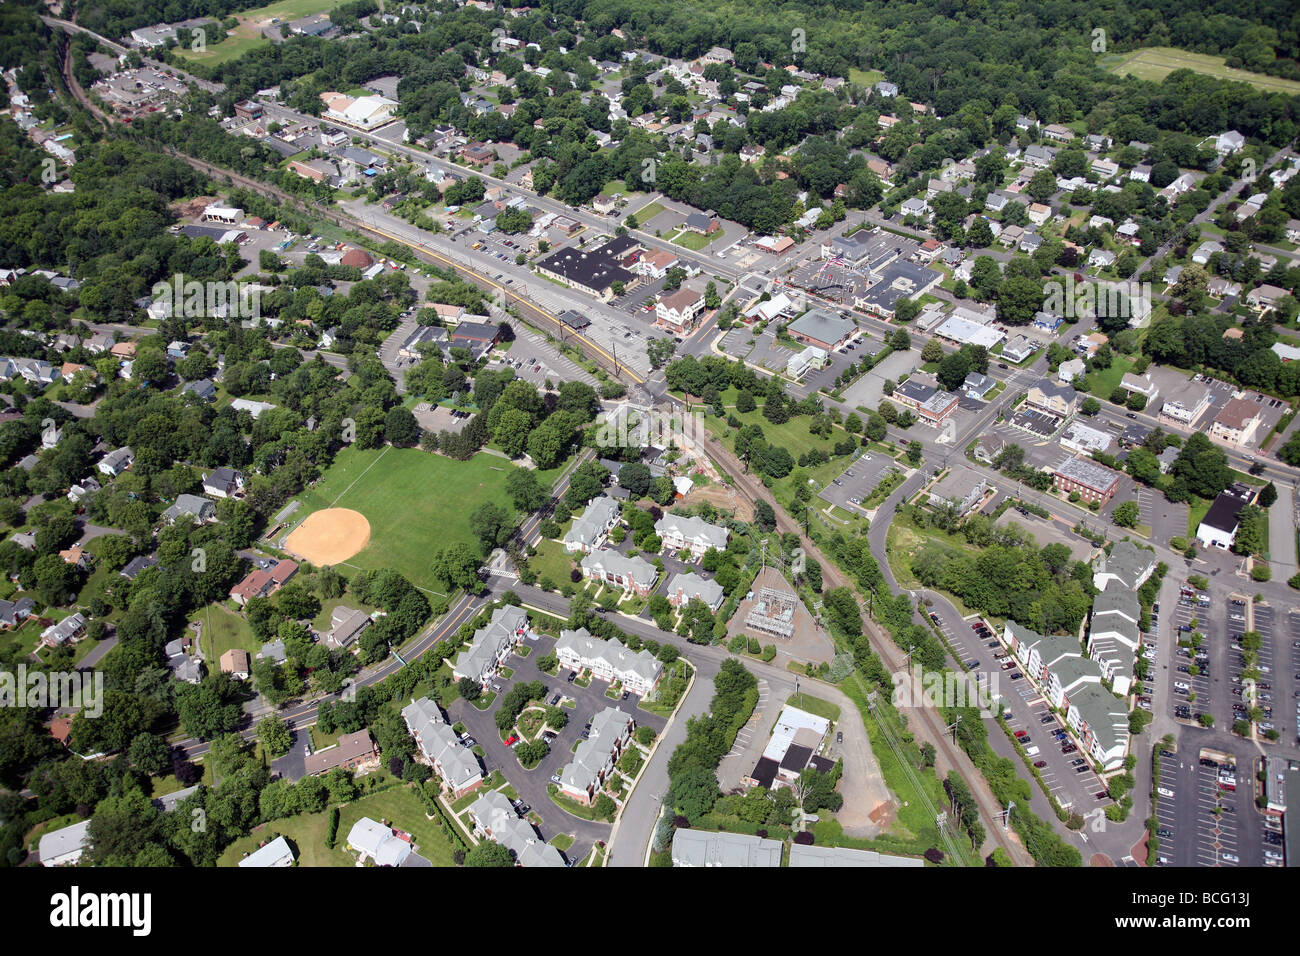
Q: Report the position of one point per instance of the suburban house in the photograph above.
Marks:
(351, 752)
(263, 582)
(116, 462)
(1237, 422)
(688, 531)
(683, 588)
(491, 644)
(78, 557)
(277, 853)
(1093, 482)
(192, 507)
(375, 841)
(64, 847)
(588, 531)
(13, 613)
(236, 663)
(71, 628)
(223, 482)
(610, 567)
(455, 764)
(346, 625)
(595, 759)
(495, 819)
(1140, 385)
(637, 671)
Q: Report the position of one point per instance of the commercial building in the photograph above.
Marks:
(1218, 529)
(800, 363)
(1237, 422)
(678, 311)
(961, 489)
(702, 848)
(1092, 481)
(595, 271)
(824, 329)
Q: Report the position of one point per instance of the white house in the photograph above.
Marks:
(688, 531)
(638, 671)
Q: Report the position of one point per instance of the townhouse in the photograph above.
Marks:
(683, 588)
(455, 764)
(630, 574)
(596, 757)
(637, 671)
(491, 644)
(1126, 563)
(589, 530)
(495, 819)
(687, 531)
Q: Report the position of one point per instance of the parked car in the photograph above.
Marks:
(512, 740)
(1040, 764)
(839, 736)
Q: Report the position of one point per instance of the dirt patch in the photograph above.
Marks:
(330, 536)
(725, 499)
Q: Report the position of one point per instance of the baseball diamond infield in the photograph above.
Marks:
(330, 536)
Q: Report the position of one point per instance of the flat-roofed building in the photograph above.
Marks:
(1093, 481)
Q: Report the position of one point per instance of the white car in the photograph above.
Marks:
(1164, 791)
(1229, 858)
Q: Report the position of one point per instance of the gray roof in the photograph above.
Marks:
(802, 855)
(592, 523)
(822, 325)
(595, 754)
(614, 657)
(276, 853)
(494, 815)
(274, 651)
(693, 529)
(1127, 562)
(691, 585)
(702, 848)
(1104, 713)
(59, 843)
(635, 568)
(1115, 598)
(477, 658)
(1087, 472)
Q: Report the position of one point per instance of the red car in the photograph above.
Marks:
(513, 739)
(1022, 733)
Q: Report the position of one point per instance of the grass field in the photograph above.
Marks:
(694, 241)
(1155, 63)
(648, 212)
(400, 806)
(416, 503)
(224, 630)
(248, 34)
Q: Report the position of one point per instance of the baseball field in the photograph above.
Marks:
(414, 503)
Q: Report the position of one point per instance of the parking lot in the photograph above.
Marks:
(1191, 692)
(1065, 772)
(531, 785)
(537, 361)
(1206, 815)
(857, 481)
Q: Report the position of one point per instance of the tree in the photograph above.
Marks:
(745, 403)
(525, 491)
(457, 566)
(932, 351)
(275, 735)
(900, 341)
(400, 427)
(469, 688)
(635, 477)
(489, 853)
(1090, 406)
(1126, 514)
(1267, 496)
(491, 524)
(150, 754)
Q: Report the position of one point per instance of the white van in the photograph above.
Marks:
(1031, 751)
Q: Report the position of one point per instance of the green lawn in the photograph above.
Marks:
(1155, 63)
(815, 705)
(416, 503)
(1102, 383)
(648, 212)
(552, 561)
(400, 806)
(1196, 512)
(694, 241)
(224, 630)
